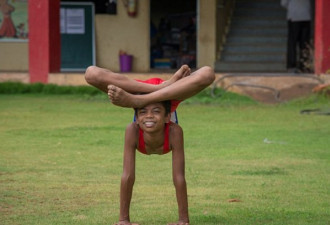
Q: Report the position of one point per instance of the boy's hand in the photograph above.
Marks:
(179, 223)
(125, 223)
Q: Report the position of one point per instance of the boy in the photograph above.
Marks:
(152, 132)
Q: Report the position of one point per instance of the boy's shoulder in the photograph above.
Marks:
(175, 129)
(132, 127)
(175, 125)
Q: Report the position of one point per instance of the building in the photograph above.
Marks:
(122, 31)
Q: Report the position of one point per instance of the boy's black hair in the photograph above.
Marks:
(166, 104)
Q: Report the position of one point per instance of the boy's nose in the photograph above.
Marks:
(149, 114)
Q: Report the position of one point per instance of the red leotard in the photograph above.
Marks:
(166, 148)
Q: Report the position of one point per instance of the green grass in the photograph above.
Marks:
(61, 162)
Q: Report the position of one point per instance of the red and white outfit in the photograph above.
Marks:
(166, 148)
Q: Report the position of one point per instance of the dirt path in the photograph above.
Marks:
(271, 88)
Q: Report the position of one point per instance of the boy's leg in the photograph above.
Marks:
(180, 90)
(101, 78)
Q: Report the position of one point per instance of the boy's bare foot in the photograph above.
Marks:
(184, 71)
(122, 98)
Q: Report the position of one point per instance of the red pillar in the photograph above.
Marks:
(44, 39)
(322, 36)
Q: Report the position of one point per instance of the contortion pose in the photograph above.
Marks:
(152, 132)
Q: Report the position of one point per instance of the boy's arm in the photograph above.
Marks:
(128, 176)
(178, 165)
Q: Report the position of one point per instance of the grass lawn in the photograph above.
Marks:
(61, 163)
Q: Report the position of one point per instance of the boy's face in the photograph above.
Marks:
(152, 117)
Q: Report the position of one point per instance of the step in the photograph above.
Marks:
(255, 39)
(249, 67)
(239, 48)
(253, 57)
(252, 22)
(254, 31)
(278, 19)
(258, 26)
(275, 5)
(258, 1)
(259, 12)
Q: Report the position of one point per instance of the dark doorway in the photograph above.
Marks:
(172, 34)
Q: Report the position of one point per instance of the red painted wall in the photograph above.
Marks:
(322, 36)
(44, 39)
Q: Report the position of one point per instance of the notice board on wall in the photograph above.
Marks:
(77, 36)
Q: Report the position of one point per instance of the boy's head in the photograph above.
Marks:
(165, 105)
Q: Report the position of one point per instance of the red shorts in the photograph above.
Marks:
(157, 81)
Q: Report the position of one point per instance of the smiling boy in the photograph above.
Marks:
(152, 132)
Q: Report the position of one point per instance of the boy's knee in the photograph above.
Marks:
(208, 75)
(91, 74)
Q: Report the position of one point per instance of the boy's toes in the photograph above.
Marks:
(111, 88)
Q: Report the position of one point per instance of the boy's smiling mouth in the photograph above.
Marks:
(149, 123)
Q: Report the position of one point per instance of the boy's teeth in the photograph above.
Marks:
(149, 123)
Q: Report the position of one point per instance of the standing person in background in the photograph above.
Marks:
(299, 16)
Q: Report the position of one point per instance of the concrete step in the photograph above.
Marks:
(249, 67)
(259, 12)
(275, 5)
(254, 57)
(256, 22)
(242, 48)
(254, 31)
(255, 39)
(258, 26)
